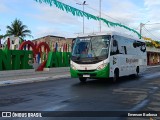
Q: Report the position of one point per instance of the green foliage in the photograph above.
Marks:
(149, 44)
(1, 36)
(158, 43)
(17, 29)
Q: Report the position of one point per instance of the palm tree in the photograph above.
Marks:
(17, 29)
(1, 37)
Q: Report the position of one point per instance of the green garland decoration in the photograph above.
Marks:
(77, 12)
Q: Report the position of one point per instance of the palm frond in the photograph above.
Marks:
(18, 29)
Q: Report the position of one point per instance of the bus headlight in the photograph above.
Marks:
(73, 67)
(101, 66)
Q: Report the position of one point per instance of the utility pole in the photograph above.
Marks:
(100, 1)
(141, 26)
(83, 4)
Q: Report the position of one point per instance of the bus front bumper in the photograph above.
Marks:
(103, 73)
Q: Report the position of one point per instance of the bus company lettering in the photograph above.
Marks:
(131, 60)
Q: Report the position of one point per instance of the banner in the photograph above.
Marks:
(80, 13)
(128, 114)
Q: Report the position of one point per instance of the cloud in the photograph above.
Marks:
(53, 15)
(54, 21)
(151, 3)
(6, 6)
(153, 9)
(46, 30)
(152, 12)
(128, 12)
(3, 8)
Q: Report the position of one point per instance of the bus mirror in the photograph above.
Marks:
(134, 44)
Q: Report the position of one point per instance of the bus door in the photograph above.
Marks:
(114, 56)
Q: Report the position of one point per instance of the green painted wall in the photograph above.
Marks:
(58, 59)
(15, 59)
(19, 59)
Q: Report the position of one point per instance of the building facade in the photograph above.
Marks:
(153, 56)
(56, 42)
(62, 44)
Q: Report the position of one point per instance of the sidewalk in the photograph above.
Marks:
(154, 66)
(32, 72)
(29, 76)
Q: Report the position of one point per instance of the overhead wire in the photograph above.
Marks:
(120, 21)
(152, 24)
(88, 6)
(150, 33)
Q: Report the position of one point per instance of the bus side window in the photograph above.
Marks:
(114, 48)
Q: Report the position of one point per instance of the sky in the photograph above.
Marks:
(44, 20)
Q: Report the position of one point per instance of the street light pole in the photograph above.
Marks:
(141, 26)
(100, 14)
(83, 17)
(83, 4)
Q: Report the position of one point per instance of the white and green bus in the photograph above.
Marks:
(105, 55)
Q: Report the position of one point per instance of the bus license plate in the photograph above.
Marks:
(86, 75)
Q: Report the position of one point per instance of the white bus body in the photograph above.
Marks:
(108, 55)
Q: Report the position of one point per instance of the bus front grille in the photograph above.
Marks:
(91, 74)
(86, 70)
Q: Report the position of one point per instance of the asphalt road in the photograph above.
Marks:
(128, 94)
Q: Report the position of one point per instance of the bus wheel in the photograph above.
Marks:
(116, 75)
(82, 80)
(137, 70)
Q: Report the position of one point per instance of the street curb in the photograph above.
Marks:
(10, 73)
(153, 66)
(32, 80)
(16, 72)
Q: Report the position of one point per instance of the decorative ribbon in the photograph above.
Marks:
(155, 43)
(80, 13)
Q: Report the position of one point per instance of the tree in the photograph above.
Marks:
(1, 37)
(17, 29)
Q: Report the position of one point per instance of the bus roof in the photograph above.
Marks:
(110, 33)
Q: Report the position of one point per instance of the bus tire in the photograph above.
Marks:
(137, 71)
(82, 80)
(116, 75)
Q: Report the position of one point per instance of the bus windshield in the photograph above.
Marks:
(93, 46)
